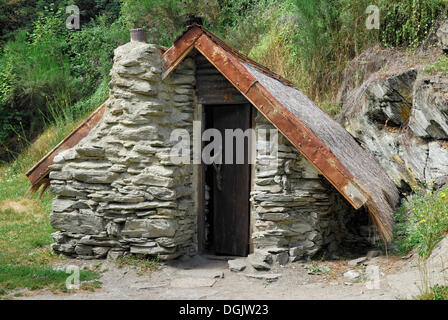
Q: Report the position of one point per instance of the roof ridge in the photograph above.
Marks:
(240, 55)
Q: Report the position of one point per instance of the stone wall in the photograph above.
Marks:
(117, 190)
(297, 213)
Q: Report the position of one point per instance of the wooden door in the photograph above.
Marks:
(231, 192)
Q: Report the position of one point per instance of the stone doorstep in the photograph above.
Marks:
(237, 265)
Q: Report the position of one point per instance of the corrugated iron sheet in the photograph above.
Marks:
(38, 174)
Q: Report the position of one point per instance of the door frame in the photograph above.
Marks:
(199, 173)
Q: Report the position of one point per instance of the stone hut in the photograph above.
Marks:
(119, 190)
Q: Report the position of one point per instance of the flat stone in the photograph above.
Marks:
(83, 250)
(60, 175)
(93, 152)
(60, 205)
(275, 216)
(296, 252)
(153, 180)
(100, 252)
(150, 228)
(66, 191)
(114, 255)
(237, 265)
(260, 260)
(90, 176)
(268, 277)
(152, 250)
(76, 223)
(162, 193)
(351, 275)
(281, 258)
(355, 262)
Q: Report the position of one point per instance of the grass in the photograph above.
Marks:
(25, 230)
(34, 277)
(440, 66)
(62, 120)
(25, 237)
(437, 292)
(422, 221)
(316, 269)
(141, 265)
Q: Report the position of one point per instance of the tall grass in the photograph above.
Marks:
(408, 23)
(51, 68)
(422, 221)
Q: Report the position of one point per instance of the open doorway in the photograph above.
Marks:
(227, 186)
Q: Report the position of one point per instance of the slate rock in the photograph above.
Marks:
(237, 265)
(355, 262)
(351, 275)
(267, 277)
(260, 260)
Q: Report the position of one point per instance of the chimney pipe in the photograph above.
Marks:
(138, 35)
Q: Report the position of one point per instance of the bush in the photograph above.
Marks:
(91, 52)
(408, 23)
(50, 68)
(34, 70)
(436, 292)
(422, 221)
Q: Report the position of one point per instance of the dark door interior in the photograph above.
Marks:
(229, 192)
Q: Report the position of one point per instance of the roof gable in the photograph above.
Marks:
(324, 142)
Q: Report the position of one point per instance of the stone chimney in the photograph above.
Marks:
(138, 35)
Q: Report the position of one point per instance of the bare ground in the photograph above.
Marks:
(207, 277)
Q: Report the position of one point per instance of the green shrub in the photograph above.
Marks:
(408, 23)
(437, 292)
(91, 52)
(440, 66)
(422, 221)
(51, 68)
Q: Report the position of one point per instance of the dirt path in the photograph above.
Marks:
(207, 278)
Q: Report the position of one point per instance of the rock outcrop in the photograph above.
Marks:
(403, 120)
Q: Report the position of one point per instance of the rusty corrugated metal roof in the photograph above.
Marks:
(38, 174)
